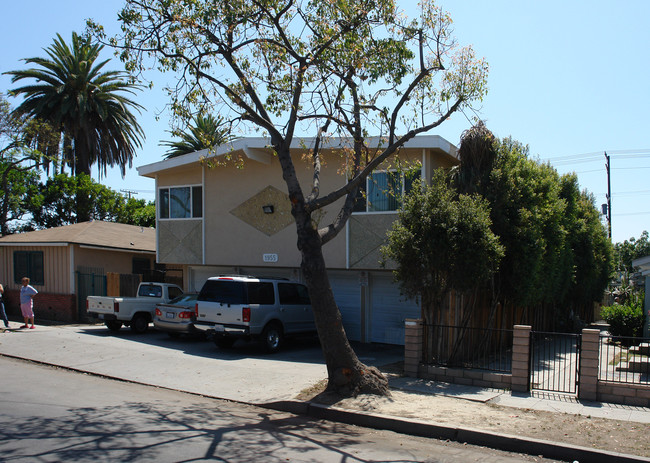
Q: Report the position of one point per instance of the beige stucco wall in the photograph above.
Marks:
(108, 260)
(239, 234)
(180, 241)
(182, 176)
(367, 231)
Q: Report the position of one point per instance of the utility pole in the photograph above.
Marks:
(129, 193)
(609, 196)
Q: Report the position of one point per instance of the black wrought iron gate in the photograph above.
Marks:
(554, 361)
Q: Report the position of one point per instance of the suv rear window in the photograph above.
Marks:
(224, 291)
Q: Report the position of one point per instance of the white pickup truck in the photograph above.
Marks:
(135, 312)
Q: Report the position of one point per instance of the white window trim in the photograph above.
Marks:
(190, 186)
(403, 185)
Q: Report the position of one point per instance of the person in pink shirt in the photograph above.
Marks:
(27, 294)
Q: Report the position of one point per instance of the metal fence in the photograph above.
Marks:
(554, 361)
(476, 348)
(624, 360)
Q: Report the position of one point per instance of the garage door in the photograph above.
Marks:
(198, 276)
(389, 310)
(347, 294)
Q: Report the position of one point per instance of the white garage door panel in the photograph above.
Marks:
(199, 275)
(389, 310)
(347, 294)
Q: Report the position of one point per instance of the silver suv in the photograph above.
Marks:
(267, 309)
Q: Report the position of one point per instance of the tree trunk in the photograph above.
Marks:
(347, 376)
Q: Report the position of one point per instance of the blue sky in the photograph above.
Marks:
(570, 79)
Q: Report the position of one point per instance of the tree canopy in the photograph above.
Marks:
(205, 132)
(89, 106)
(556, 259)
(442, 241)
(53, 204)
(19, 163)
(291, 68)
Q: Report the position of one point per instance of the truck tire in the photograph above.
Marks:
(140, 323)
(113, 325)
(272, 338)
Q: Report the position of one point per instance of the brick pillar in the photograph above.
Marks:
(521, 358)
(589, 358)
(413, 337)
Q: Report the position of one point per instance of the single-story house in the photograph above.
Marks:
(233, 216)
(68, 263)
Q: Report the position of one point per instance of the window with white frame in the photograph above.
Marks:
(184, 202)
(384, 190)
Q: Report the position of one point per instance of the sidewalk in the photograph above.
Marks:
(495, 418)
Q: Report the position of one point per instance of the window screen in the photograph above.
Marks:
(29, 264)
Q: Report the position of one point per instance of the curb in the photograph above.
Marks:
(414, 427)
(505, 442)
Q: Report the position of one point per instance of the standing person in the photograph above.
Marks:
(2, 308)
(27, 293)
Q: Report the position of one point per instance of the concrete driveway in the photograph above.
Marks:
(242, 373)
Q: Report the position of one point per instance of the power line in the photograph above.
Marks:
(632, 213)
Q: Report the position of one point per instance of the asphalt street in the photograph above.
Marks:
(49, 414)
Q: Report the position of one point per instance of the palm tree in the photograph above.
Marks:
(206, 132)
(86, 104)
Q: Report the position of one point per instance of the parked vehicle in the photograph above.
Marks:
(136, 312)
(176, 317)
(267, 309)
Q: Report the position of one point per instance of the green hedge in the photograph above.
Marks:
(625, 320)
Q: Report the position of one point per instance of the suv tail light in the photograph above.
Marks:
(246, 314)
(116, 306)
(196, 310)
(158, 312)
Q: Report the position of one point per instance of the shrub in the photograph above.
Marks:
(625, 320)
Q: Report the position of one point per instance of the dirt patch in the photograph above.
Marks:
(600, 433)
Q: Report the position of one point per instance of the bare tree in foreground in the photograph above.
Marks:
(288, 69)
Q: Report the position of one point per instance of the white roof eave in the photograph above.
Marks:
(252, 148)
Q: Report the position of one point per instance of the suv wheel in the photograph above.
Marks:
(272, 338)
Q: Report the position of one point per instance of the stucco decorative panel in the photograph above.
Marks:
(180, 241)
(367, 235)
(252, 212)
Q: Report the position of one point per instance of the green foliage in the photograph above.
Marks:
(53, 204)
(70, 91)
(333, 64)
(556, 248)
(629, 250)
(625, 319)
(588, 251)
(442, 241)
(19, 163)
(206, 132)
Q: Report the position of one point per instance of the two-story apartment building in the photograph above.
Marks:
(231, 215)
